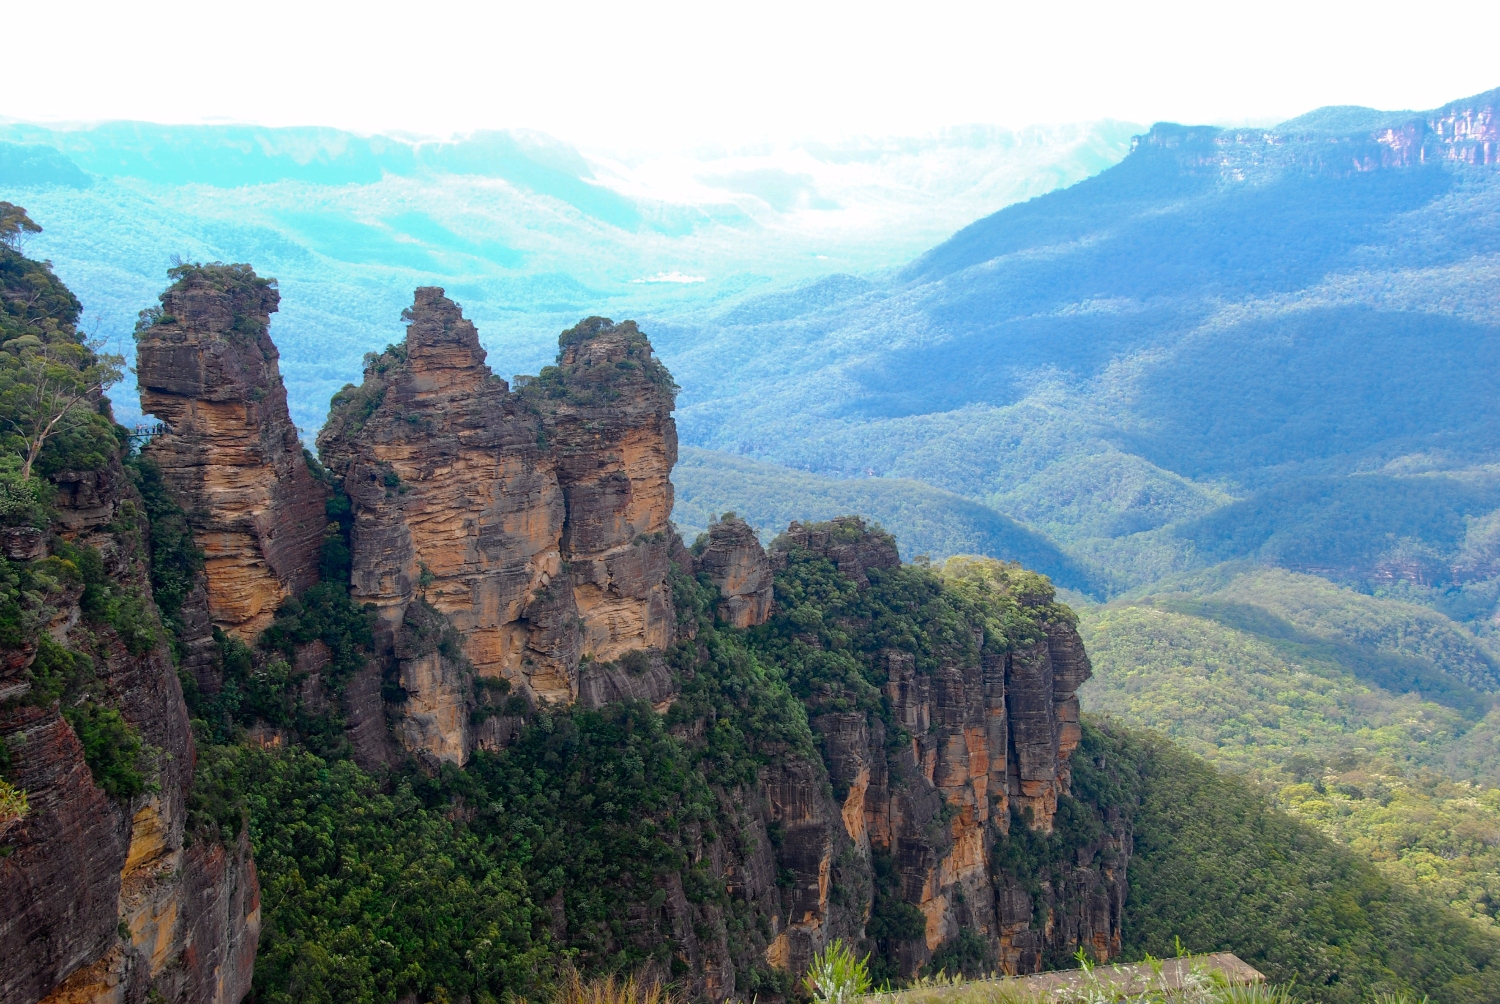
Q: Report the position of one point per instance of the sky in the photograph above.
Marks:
(652, 75)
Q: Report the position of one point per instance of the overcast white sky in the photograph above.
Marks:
(645, 74)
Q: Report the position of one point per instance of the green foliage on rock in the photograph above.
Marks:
(828, 635)
(176, 558)
(111, 748)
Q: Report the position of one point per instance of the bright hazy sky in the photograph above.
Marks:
(642, 74)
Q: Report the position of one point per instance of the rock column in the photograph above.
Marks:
(208, 369)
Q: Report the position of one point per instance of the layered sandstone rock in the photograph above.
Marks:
(533, 524)
(990, 738)
(607, 406)
(113, 902)
(737, 564)
(61, 881)
(456, 504)
(208, 369)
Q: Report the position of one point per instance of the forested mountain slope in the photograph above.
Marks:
(1272, 344)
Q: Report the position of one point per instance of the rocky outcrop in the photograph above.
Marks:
(846, 541)
(456, 505)
(208, 369)
(986, 748)
(607, 408)
(112, 899)
(534, 524)
(825, 881)
(737, 564)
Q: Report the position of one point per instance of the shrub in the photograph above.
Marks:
(111, 748)
(837, 975)
(13, 806)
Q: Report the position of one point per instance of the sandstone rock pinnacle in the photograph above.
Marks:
(738, 565)
(456, 503)
(607, 409)
(208, 369)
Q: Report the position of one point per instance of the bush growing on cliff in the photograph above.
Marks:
(111, 748)
(14, 806)
(176, 558)
(52, 412)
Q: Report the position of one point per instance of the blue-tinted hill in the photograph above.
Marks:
(1226, 314)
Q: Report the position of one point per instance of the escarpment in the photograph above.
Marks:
(208, 369)
(109, 893)
(964, 751)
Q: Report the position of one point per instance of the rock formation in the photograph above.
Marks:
(106, 897)
(516, 550)
(846, 542)
(737, 564)
(989, 744)
(534, 523)
(458, 511)
(208, 369)
(607, 406)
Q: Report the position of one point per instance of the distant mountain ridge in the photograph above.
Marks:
(1226, 314)
(528, 231)
(229, 156)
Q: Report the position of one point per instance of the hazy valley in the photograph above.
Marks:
(530, 652)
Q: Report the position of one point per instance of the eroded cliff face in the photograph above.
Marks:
(982, 747)
(208, 369)
(1464, 132)
(108, 897)
(456, 506)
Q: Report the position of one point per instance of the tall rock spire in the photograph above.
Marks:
(458, 513)
(208, 369)
(607, 407)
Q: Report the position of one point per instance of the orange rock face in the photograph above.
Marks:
(534, 524)
(456, 502)
(208, 369)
